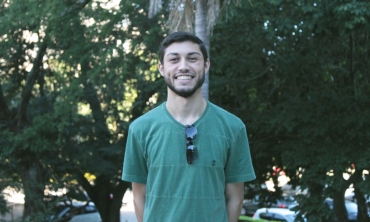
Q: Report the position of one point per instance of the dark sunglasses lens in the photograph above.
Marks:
(191, 153)
(191, 132)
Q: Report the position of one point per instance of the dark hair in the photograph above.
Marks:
(181, 37)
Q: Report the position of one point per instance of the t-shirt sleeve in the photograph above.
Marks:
(134, 164)
(239, 166)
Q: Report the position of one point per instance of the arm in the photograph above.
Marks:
(139, 190)
(234, 194)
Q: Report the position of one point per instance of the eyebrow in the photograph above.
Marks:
(176, 54)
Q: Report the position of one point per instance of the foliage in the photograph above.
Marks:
(304, 92)
(95, 77)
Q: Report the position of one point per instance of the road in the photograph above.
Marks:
(128, 213)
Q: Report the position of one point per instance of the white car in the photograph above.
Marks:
(276, 214)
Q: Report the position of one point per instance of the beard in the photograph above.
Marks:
(186, 93)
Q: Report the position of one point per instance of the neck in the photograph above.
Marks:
(186, 110)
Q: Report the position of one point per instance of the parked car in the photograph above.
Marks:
(277, 214)
(250, 206)
(65, 212)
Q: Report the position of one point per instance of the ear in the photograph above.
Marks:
(207, 64)
(160, 68)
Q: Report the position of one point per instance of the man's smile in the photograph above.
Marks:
(183, 77)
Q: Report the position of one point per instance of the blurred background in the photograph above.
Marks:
(75, 73)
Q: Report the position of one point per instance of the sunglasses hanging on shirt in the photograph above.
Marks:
(191, 150)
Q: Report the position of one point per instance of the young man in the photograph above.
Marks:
(187, 159)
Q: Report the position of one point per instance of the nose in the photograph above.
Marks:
(183, 66)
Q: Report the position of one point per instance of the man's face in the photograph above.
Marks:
(183, 68)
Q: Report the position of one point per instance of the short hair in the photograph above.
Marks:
(181, 36)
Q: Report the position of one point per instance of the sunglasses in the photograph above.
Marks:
(191, 150)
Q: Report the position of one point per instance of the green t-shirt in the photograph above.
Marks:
(175, 190)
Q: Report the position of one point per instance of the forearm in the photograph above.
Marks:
(139, 209)
(139, 200)
(234, 195)
(234, 208)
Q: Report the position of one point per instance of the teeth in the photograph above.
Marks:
(184, 77)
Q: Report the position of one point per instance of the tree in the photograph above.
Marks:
(301, 89)
(78, 99)
(26, 152)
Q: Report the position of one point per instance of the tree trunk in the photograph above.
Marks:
(113, 203)
(340, 211)
(107, 199)
(32, 175)
(362, 215)
(204, 34)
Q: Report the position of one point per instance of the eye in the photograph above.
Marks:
(193, 58)
(173, 59)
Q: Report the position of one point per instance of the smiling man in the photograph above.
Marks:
(187, 159)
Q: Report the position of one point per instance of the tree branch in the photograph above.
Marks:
(260, 75)
(33, 74)
(31, 79)
(78, 6)
(4, 109)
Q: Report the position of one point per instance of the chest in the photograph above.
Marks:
(169, 148)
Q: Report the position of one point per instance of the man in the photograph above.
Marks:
(187, 159)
